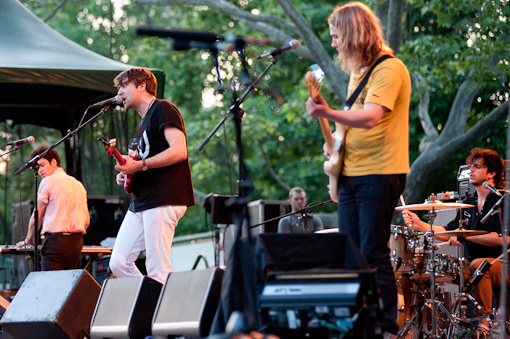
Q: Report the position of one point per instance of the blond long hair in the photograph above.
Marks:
(360, 35)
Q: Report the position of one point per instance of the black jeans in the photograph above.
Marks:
(61, 252)
(365, 209)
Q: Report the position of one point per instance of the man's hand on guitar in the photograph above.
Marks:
(131, 165)
(318, 108)
(120, 178)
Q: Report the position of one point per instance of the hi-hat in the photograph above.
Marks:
(433, 205)
(461, 233)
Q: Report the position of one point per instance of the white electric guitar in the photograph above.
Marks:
(334, 143)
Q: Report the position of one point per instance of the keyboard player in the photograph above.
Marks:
(63, 214)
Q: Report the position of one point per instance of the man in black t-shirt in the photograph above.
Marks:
(486, 166)
(160, 179)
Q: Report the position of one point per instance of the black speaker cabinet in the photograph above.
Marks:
(106, 214)
(52, 305)
(125, 308)
(187, 304)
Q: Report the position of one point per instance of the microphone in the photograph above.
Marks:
(116, 100)
(178, 35)
(29, 140)
(182, 45)
(211, 37)
(240, 41)
(294, 44)
(491, 188)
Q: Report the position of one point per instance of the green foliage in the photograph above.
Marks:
(449, 40)
(454, 41)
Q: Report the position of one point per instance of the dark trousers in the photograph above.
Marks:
(365, 209)
(61, 252)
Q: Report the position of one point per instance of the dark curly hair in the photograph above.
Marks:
(53, 154)
(491, 160)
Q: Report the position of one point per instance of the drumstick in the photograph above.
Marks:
(403, 204)
(402, 200)
(439, 244)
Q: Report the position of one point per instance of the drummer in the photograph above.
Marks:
(486, 166)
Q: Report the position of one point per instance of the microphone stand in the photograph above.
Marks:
(504, 267)
(12, 150)
(496, 208)
(33, 163)
(305, 211)
(242, 295)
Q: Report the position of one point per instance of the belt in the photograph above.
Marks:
(61, 233)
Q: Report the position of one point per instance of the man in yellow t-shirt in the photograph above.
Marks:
(376, 158)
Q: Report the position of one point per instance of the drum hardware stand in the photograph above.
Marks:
(460, 304)
(433, 303)
(415, 305)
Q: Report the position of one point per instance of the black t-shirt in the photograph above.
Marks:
(170, 185)
(473, 250)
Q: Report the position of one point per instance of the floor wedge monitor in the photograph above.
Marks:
(187, 303)
(125, 308)
(52, 305)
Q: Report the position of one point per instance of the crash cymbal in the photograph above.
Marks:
(462, 233)
(436, 205)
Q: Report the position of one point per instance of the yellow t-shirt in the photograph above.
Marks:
(384, 148)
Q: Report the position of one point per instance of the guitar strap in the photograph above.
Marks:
(348, 104)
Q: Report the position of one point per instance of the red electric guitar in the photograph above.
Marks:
(335, 144)
(109, 147)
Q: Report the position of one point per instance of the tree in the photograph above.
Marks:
(457, 98)
(463, 36)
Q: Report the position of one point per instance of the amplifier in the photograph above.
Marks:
(463, 185)
(317, 303)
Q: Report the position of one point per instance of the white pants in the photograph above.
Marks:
(152, 230)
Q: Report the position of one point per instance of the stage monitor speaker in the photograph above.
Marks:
(20, 265)
(125, 308)
(220, 208)
(464, 187)
(106, 214)
(188, 303)
(294, 252)
(264, 210)
(52, 305)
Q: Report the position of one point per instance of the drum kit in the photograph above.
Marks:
(420, 263)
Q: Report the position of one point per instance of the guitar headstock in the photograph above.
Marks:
(313, 80)
(104, 140)
(109, 145)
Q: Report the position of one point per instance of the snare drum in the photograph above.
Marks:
(403, 242)
(447, 267)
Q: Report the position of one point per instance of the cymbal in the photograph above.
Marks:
(461, 233)
(436, 205)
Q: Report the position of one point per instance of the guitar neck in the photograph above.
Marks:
(326, 133)
(113, 152)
